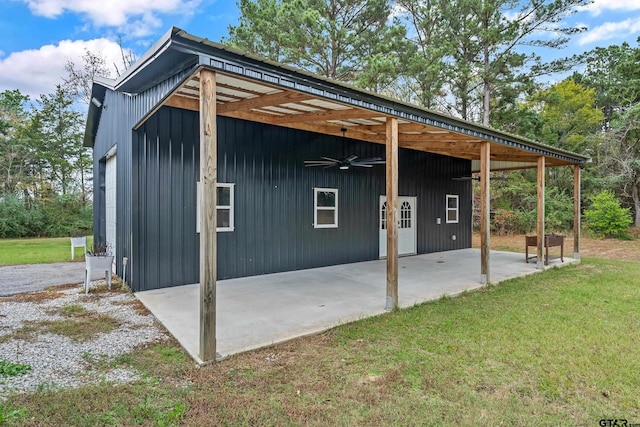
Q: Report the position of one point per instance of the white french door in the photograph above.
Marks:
(407, 229)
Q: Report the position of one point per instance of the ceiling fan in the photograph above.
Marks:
(347, 162)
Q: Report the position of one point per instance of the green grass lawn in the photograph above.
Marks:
(38, 251)
(556, 348)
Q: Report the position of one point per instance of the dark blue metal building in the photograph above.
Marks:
(274, 213)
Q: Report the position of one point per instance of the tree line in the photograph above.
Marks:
(45, 171)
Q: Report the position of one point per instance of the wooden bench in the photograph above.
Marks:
(550, 240)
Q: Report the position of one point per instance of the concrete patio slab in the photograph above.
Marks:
(258, 311)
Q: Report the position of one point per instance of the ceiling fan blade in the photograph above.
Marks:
(378, 162)
(331, 160)
(466, 178)
(362, 165)
(318, 163)
(369, 162)
(350, 159)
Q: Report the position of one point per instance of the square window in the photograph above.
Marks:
(452, 208)
(224, 218)
(326, 199)
(224, 196)
(326, 217)
(325, 208)
(224, 206)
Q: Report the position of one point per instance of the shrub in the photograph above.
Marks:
(56, 216)
(504, 221)
(605, 217)
(17, 220)
(558, 210)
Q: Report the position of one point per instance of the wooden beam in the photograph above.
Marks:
(392, 213)
(208, 177)
(485, 205)
(439, 138)
(270, 100)
(540, 228)
(576, 211)
(473, 147)
(183, 102)
(342, 114)
(327, 128)
(413, 127)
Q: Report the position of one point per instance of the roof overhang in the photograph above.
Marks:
(252, 88)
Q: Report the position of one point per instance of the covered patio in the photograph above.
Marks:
(263, 310)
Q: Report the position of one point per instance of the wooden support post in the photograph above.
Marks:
(576, 212)
(540, 228)
(392, 213)
(208, 172)
(485, 202)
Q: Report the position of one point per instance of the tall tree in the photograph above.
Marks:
(424, 69)
(56, 132)
(490, 46)
(80, 77)
(13, 152)
(623, 159)
(613, 73)
(338, 39)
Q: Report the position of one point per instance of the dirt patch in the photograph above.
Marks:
(628, 250)
(36, 297)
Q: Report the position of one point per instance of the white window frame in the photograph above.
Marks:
(230, 207)
(456, 209)
(317, 208)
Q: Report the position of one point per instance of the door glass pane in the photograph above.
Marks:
(326, 216)
(224, 196)
(224, 218)
(383, 217)
(327, 199)
(452, 215)
(405, 215)
(452, 202)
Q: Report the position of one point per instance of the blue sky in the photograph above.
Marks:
(38, 37)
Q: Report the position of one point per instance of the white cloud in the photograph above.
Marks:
(610, 30)
(599, 6)
(38, 71)
(137, 16)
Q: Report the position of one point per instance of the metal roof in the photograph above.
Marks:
(253, 88)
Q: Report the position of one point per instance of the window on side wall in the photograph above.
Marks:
(325, 208)
(452, 208)
(224, 207)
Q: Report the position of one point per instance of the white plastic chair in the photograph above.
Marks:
(78, 242)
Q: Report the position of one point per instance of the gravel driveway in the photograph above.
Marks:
(16, 279)
(57, 361)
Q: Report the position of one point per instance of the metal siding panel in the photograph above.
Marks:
(151, 215)
(134, 266)
(177, 194)
(165, 207)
